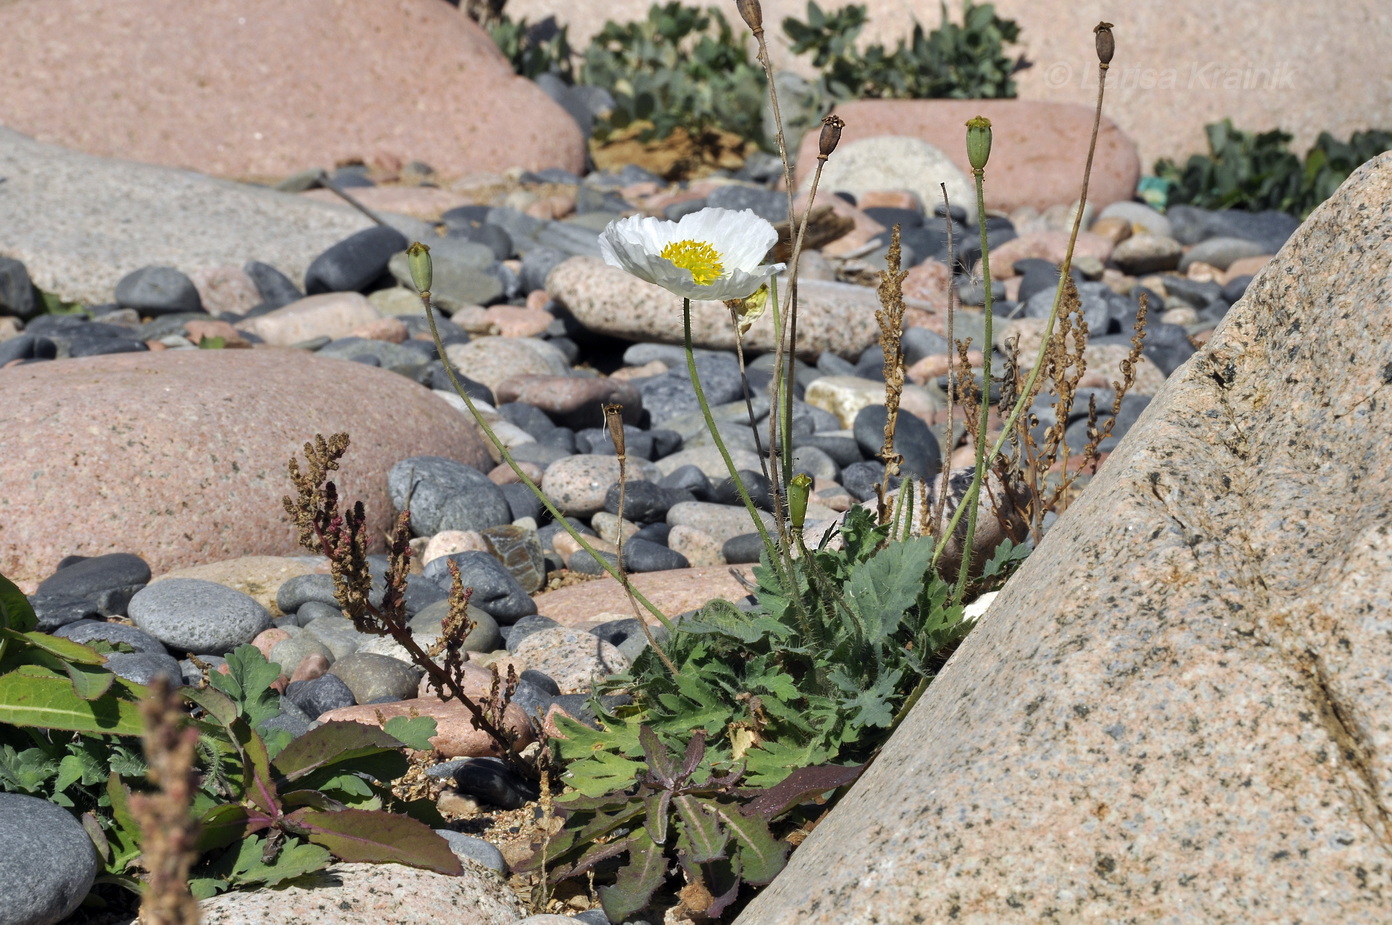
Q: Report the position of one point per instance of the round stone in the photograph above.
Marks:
(47, 865)
(191, 615)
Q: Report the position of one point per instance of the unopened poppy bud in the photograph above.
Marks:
(798, 491)
(753, 14)
(1106, 45)
(418, 257)
(978, 142)
(831, 135)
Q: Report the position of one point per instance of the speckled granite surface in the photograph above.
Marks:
(1178, 711)
(180, 456)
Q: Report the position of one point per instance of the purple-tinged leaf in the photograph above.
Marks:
(695, 751)
(312, 799)
(376, 837)
(660, 765)
(761, 855)
(657, 803)
(798, 787)
(261, 788)
(329, 744)
(636, 882)
(722, 879)
(595, 854)
(221, 826)
(702, 838)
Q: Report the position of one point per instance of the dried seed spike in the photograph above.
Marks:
(1106, 44)
(613, 419)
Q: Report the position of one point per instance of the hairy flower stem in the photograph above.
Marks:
(715, 434)
(974, 492)
(1028, 389)
(604, 563)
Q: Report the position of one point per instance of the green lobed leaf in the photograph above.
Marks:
(248, 683)
(412, 731)
(377, 837)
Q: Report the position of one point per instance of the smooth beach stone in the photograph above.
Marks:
(89, 631)
(337, 633)
(574, 659)
(47, 862)
(108, 582)
(377, 678)
(158, 291)
(644, 502)
(476, 850)
(290, 652)
(446, 495)
(355, 262)
(320, 695)
(495, 590)
(275, 288)
(484, 637)
(144, 667)
(525, 627)
(913, 440)
(191, 615)
(490, 780)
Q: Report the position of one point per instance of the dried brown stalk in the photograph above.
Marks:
(169, 833)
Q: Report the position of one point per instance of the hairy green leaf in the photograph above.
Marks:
(637, 880)
(31, 695)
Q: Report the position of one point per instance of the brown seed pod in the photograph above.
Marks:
(831, 134)
(1106, 45)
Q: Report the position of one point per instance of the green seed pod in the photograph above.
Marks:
(1106, 45)
(978, 142)
(753, 14)
(798, 490)
(418, 256)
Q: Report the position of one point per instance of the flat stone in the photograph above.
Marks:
(219, 427)
(490, 360)
(456, 736)
(329, 314)
(1194, 656)
(609, 301)
(189, 615)
(70, 215)
(671, 592)
(574, 659)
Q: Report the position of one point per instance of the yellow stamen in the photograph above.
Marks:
(697, 256)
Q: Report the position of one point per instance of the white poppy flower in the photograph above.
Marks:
(713, 254)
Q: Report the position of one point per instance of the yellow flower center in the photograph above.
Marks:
(697, 256)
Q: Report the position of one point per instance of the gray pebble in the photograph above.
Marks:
(375, 677)
(192, 615)
(47, 862)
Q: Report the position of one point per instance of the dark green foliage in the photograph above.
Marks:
(780, 698)
(1257, 172)
(680, 67)
(954, 61)
(679, 810)
(535, 48)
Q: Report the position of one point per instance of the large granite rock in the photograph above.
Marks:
(1177, 66)
(1037, 149)
(261, 89)
(80, 223)
(1178, 710)
(180, 456)
(839, 317)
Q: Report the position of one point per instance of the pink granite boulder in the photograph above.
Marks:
(180, 456)
(1037, 149)
(1178, 709)
(261, 89)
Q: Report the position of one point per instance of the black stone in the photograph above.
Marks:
(747, 547)
(320, 695)
(644, 502)
(158, 291)
(18, 295)
(275, 288)
(495, 590)
(356, 262)
(645, 556)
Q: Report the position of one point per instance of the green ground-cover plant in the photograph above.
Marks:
(966, 61)
(67, 733)
(685, 67)
(1258, 171)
